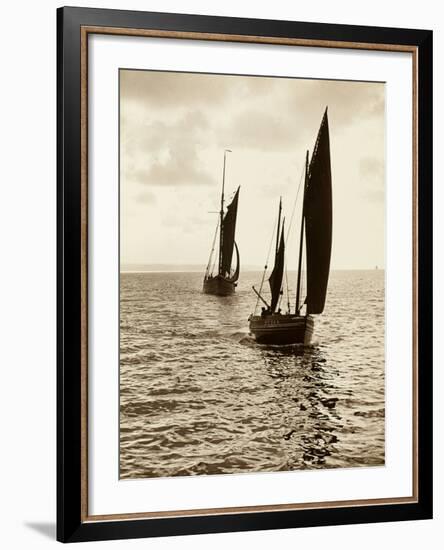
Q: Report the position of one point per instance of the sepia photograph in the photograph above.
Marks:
(252, 274)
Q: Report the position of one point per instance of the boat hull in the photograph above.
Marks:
(219, 286)
(279, 329)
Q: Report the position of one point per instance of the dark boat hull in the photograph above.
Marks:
(278, 329)
(219, 286)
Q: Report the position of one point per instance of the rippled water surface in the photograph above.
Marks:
(199, 396)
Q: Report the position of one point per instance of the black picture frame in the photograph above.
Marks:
(71, 523)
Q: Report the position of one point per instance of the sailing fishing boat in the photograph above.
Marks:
(296, 327)
(223, 283)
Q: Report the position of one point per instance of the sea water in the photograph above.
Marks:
(199, 396)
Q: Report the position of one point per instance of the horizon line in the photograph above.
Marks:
(245, 270)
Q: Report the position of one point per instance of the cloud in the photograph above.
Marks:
(279, 113)
(168, 89)
(371, 167)
(261, 131)
(175, 126)
(250, 113)
(140, 133)
(164, 153)
(372, 176)
(180, 167)
(376, 196)
(276, 188)
(165, 90)
(347, 101)
(146, 198)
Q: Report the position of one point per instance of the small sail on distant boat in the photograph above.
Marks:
(224, 281)
(296, 327)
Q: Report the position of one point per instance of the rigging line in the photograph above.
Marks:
(302, 281)
(294, 204)
(281, 293)
(215, 259)
(303, 289)
(281, 297)
(288, 290)
(266, 266)
(212, 250)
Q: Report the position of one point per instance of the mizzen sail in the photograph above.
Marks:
(318, 220)
(228, 232)
(277, 274)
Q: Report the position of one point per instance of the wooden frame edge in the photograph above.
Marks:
(250, 509)
(84, 270)
(415, 280)
(251, 39)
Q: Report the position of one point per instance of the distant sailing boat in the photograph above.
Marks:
(272, 326)
(224, 282)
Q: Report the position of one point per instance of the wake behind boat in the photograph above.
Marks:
(272, 326)
(223, 282)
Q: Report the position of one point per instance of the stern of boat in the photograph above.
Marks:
(281, 329)
(219, 286)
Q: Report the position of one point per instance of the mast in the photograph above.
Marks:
(278, 227)
(298, 285)
(221, 234)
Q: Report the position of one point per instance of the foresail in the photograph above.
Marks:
(277, 274)
(318, 220)
(210, 259)
(229, 229)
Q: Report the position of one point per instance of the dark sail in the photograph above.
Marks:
(277, 274)
(318, 220)
(228, 230)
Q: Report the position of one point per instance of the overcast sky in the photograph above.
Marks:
(174, 128)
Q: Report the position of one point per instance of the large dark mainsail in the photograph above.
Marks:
(277, 274)
(227, 239)
(318, 220)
